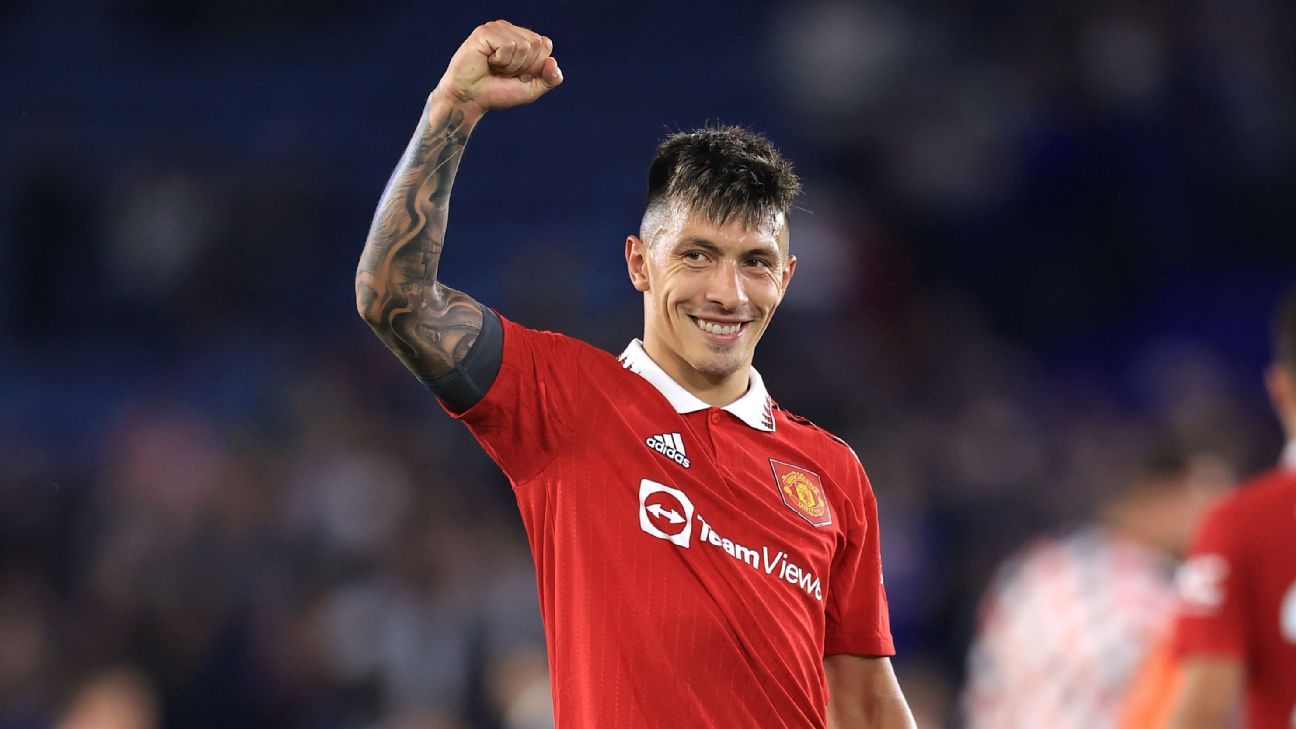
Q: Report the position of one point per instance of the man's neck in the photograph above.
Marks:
(714, 391)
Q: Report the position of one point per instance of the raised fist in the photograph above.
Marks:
(501, 65)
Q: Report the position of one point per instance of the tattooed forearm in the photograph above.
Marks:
(429, 326)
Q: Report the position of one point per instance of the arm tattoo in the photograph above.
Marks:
(429, 326)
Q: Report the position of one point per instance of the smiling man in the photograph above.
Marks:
(712, 256)
(705, 559)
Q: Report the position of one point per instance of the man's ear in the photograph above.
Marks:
(788, 270)
(636, 255)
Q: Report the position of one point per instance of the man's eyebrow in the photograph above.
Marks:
(710, 246)
(700, 243)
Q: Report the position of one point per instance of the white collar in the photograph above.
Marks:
(754, 408)
(1288, 459)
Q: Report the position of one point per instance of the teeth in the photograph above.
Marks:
(714, 328)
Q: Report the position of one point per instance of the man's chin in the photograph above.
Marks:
(715, 367)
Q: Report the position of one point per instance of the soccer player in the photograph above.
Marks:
(1236, 630)
(704, 557)
(1069, 620)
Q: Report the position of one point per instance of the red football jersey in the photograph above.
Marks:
(695, 564)
(1238, 594)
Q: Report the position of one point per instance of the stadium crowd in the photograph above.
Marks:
(1036, 241)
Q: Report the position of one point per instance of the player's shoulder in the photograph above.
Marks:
(1269, 493)
(811, 436)
(557, 344)
(1029, 577)
(1050, 553)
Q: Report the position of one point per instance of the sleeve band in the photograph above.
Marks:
(466, 384)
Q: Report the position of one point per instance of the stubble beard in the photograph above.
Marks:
(717, 364)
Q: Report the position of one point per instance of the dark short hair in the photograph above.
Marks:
(1284, 331)
(723, 172)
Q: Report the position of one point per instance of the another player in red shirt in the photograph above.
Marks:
(1236, 632)
(704, 558)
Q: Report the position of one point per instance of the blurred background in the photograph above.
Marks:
(1036, 237)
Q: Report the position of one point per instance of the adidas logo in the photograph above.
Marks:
(669, 445)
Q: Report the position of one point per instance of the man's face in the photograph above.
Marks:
(709, 290)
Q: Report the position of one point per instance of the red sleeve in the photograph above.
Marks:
(858, 622)
(526, 417)
(1211, 618)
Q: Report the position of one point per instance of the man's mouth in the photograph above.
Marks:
(717, 328)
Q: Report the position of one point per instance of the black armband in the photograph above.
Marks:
(466, 384)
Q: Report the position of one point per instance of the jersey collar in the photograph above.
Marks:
(754, 408)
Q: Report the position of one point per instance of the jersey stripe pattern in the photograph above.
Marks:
(679, 596)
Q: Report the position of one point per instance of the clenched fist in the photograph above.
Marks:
(500, 65)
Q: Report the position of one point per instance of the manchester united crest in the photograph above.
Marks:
(802, 491)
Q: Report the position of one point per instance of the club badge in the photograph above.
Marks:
(802, 492)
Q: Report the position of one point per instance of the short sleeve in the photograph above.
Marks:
(1211, 618)
(858, 621)
(525, 418)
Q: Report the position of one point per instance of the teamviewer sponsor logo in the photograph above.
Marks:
(665, 513)
(770, 562)
(670, 445)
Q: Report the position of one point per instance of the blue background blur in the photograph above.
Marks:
(1035, 238)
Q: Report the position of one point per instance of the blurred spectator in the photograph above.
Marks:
(115, 699)
(25, 654)
(1069, 620)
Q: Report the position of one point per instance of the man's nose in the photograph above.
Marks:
(726, 286)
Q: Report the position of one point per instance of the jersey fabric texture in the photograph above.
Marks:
(695, 564)
(1238, 592)
(1062, 631)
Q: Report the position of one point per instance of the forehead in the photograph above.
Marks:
(685, 226)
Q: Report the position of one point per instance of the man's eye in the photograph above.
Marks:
(695, 256)
(758, 262)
